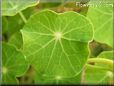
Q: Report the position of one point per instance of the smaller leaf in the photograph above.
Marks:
(102, 18)
(100, 73)
(107, 55)
(13, 25)
(13, 64)
(12, 7)
(16, 40)
(97, 76)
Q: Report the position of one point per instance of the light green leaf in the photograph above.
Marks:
(56, 45)
(100, 72)
(12, 7)
(98, 76)
(71, 80)
(101, 16)
(13, 64)
(107, 55)
(16, 40)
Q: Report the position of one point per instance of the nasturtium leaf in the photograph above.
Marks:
(56, 45)
(13, 25)
(101, 16)
(16, 40)
(100, 73)
(76, 80)
(107, 55)
(104, 60)
(4, 25)
(12, 7)
(13, 64)
(98, 76)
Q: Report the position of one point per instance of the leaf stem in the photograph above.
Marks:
(102, 61)
(23, 17)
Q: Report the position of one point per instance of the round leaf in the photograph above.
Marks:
(56, 45)
(16, 40)
(13, 64)
(98, 76)
(12, 7)
(107, 55)
(100, 73)
(102, 19)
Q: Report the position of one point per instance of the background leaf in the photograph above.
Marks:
(107, 55)
(16, 40)
(98, 77)
(99, 73)
(11, 28)
(101, 16)
(56, 45)
(12, 7)
(13, 64)
(4, 24)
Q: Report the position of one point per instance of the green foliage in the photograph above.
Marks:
(98, 76)
(14, 24)
(102, 20)
(48, 35)
(13, 64)
(57, 47)
(107, 55)
(12, 7)
(102, 69)
(17, 40)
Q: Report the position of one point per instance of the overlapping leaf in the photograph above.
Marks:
(11, 25)
(56, 45)
(16, 40)
(13, 64)
(12, 7)
(101, 16)
(98, 76)
(100, 73)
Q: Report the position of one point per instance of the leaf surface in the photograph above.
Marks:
(16, 40)
(101, 16)
(12, 7)
(13, 64)
(56, 45)
(100, 73)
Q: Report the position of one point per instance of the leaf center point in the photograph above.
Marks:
(58, 35)
(4, 70)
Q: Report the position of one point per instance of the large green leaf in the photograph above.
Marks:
(108, 56)
(56, 45)
(13, 64)
(12, 7)
(101, 16)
